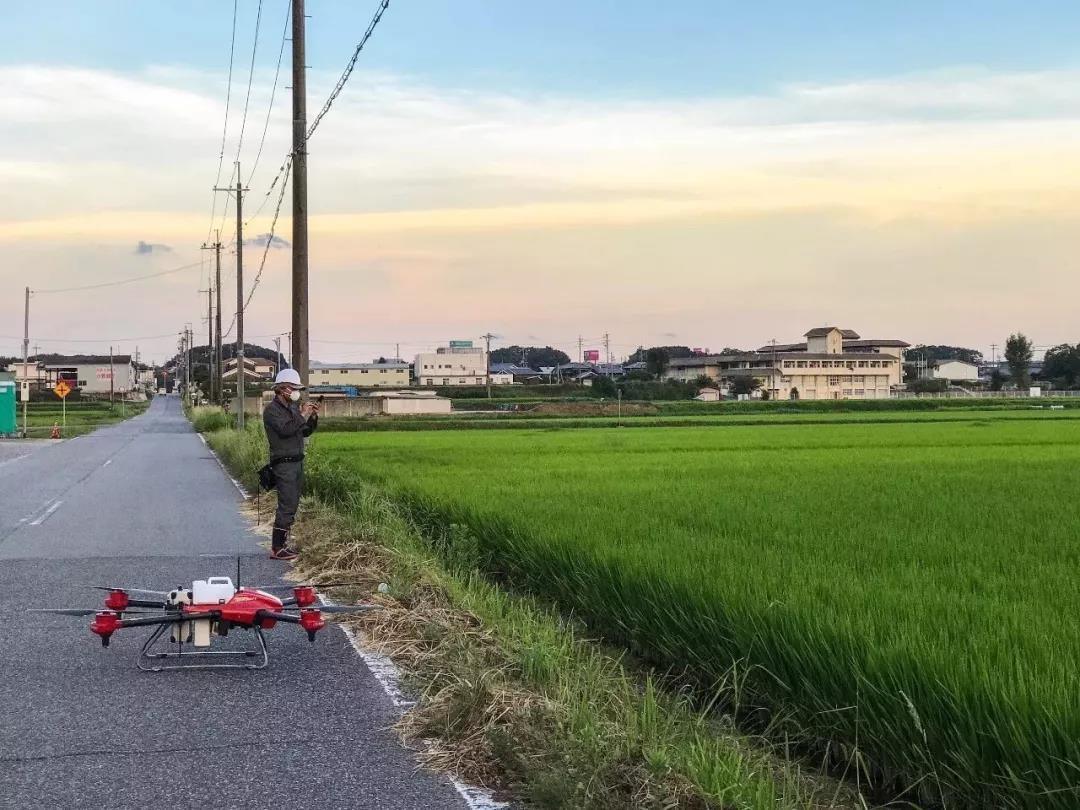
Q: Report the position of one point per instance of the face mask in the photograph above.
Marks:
(294, 396)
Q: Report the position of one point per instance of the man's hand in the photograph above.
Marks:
(309, 409)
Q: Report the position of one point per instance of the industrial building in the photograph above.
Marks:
(460, 363)
(93, 374)
(388, 373)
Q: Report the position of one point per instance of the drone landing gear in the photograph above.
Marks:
(202, 658)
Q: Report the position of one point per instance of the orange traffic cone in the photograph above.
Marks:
(55, 431)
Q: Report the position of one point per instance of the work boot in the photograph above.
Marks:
(279, 549)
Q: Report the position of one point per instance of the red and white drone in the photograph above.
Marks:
(209, 608)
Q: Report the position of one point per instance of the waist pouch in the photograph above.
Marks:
(267, 476)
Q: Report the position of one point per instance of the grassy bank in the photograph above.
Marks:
(513, 694)
(82, 417)
(904, 591)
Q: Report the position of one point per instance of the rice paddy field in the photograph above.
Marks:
(907, 594)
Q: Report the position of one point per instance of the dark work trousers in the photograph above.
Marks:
(290, 479)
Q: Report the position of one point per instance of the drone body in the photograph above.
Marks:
(209, 608)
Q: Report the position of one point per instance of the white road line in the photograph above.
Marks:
(45, 515)
(107, 462)
(13, 460)
(239, 487)
(388, 675)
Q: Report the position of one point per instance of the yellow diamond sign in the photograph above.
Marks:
(62, 389)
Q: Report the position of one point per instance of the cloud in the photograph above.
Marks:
(276, 242)
(146, 248)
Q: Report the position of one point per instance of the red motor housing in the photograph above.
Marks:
(304, 595)
(311, 620)
(116, 600)
(105, 624)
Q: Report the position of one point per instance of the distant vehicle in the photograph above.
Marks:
(161, 392)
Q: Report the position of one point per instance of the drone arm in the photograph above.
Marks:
(177, 618)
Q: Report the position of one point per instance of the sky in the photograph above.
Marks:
(702, 173)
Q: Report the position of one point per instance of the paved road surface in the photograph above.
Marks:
(80, 726)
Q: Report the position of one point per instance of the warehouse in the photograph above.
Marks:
(94, 374)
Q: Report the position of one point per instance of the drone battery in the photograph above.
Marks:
(201, 634)
(213, 591)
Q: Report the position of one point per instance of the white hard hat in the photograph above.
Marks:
(288, 376)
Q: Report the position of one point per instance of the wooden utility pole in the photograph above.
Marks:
(210, 342)
(25, 365)
(112, 384)
(239, 300)
(217, 319)
(300, 359)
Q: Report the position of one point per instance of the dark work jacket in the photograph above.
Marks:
(286, 429)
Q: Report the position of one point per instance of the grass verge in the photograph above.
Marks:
(512, 695)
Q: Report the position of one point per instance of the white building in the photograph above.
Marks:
(831, 364)
(950, 370)
(94, 374)
(457, 364)
(391, 373)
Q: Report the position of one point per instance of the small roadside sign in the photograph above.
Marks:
(62, 389)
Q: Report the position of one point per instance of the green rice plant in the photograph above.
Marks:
(903, 596)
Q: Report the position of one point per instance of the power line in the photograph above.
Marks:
(251, 76)
(273, 94)
(383, 4)
(118, 282)
(92, 340)
(225, 127)
(286, 167)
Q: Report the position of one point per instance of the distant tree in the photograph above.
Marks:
(1018, 353)
(929, 353)
(672, 353)
(997, 380)
(656, 361)
(794, 393)
(730, 350)
(532, 356)
(745, 385)
(604, 387)
(704, 381)
(1061, 365)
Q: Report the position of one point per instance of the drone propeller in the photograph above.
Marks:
(127, 590)
(345, 608)
(305, 585)
(86, 611)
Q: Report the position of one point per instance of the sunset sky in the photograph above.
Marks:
(704, 172)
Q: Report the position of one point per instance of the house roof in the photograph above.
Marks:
(512, 368)
(849, 343)
(714, 359)
(821, 331)
(940, 362)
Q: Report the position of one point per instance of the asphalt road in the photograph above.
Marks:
(137, 504)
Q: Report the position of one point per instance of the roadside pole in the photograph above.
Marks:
(26, 359)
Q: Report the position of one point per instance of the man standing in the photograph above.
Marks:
(287, 424)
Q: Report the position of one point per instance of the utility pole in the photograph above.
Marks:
(580, 343)
(239, 190)
(215, 325)
(607, 349)
(112, 383)
(487, 360)
(209, 340)
(277, 363)
(26, 359)
(397, 352)
(300, 359)
(240, 370)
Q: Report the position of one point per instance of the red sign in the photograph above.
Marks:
(592, 355)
